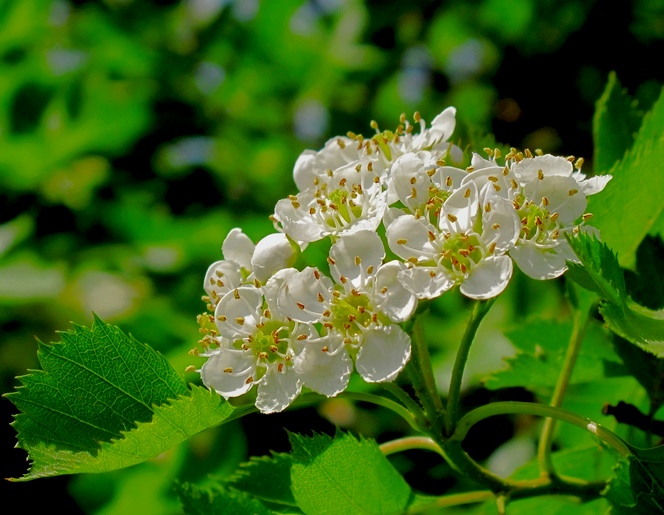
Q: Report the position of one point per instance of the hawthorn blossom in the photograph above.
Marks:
(550, 199)
(245, 262)
(468, 246)
(256, 347)
(359, 312)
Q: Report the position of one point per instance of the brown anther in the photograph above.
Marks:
(358, 168)
(292, 198)
(325, 349)
(331, 262)
(370, 269)
(573, 192)
(432, 236)
(524, 220)
(320, 298)
(357, 261)
(497, 153)
(193, 352)
(448, 182)
(579, 163)
(239, 320)
(464, 252)
(355, 293)
(464, 268)
(528, 153)
(383, 290)
(432, 274)
(228, 370)
(250, 379)
(301, 337)
(555, 234)
(329, 172)
(361, 309)
(487, 207)
(205, 298)
(495, 226)
(280, 367)
(334, 206)
(506, 170)
(587, 216)
(402, 241)
(538, 220)
(341, 143)
(300, 305)
(370, 166)
(296, 205)
(245, 346)
(514, 184)
(273, 348)
(413, 193)
(488, 151)
(492, 178)
(327, 313)
(540, 174)
(451, 217)
(343, 182)
(316, 274)
(262, 355)
(221, 318)
(571, 159)
(492, 248)
(496, 187)
(312, 210)
(236, 294)
(545, 201)
(416, 116)
(342, 279)
(554, 217)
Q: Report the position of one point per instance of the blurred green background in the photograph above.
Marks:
(135, 134)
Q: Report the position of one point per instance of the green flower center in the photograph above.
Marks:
(350, 313)
(461, 252)
(269, 343)
(536, 221)
(341, 201)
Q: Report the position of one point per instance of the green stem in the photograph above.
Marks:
(480, 309)
(530, 408)
(385, 403)
(407, 401)
(421, 376)
(581, 318)
(454, 500)
(409, 443)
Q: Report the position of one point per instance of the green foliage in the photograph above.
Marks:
(344, 475)
(635, 323)
(203, 501)
(101, 404)
(636, 190)
(638, 484)
(267, 478)
(615, 124)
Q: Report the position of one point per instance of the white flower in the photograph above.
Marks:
(257, 347)
(245, 262)
(340, 202)
(550, 199)
(467, 247)
(359, 314)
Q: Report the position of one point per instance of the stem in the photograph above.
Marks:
(530, 408)
(455, 500)
(385, 403)
(480, 309)
(407, 401)
(581, 318)
(410, 442)
(421, 376)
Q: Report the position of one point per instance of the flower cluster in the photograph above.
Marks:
(283, 328)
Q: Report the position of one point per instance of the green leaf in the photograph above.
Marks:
(639, 325)
(636, 190)
(646, 369)
(200, 501)
(646, 285)
(95, 384)
(638, 484)
(266, 478)
(344, 475)
(171, 424)
(100, 404)
(541, 346)
(615, 124)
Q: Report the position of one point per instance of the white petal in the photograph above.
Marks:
(304, 171)
(426, 282)
(272, 287)
(408, 237)
(383, 354)
(443, 125)
(242, 365)
(408, 177)
(391, 297)
(594, 184)
(460, 209)
(478, 162)
(239, 248)
(221, 277)
(238, 312)
(305, 296)
(297, 222)
(489, 278)
(322, 372)
(277, 389)
(272, 253)
(538, 264)
(563, 195)
(528, 169)
(354, 255)
(501, 224)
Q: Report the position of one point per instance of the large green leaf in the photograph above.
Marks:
(602, 273)
(636, 190)
(171, 424)
(100, 404)
(638, 484)
(344, 475)
(615, 124)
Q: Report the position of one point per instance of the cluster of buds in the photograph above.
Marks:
(281, 328)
